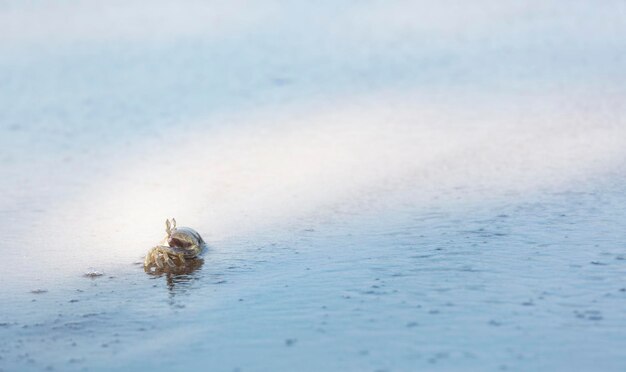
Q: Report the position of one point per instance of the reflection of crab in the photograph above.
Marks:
(179, 245)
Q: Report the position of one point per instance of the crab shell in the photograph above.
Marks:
(186, 241)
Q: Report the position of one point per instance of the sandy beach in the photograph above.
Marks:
(383, 186)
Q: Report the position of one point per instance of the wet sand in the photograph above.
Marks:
(379, 191)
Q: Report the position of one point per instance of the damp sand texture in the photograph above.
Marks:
(383, 186)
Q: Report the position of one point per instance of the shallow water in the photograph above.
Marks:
(383, 186)
(500, 285)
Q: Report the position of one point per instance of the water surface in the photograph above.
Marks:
(384, 186)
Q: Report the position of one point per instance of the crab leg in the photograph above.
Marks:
(150, 257)
(189, 252)
(168, 260)
(162, 255)
(196, 249)
(158, 261)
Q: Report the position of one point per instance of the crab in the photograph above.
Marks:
(179, 245)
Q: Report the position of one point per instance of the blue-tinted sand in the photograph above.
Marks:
(384, 186)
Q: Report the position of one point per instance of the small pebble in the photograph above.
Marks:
(290, 341)
(93, 273)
